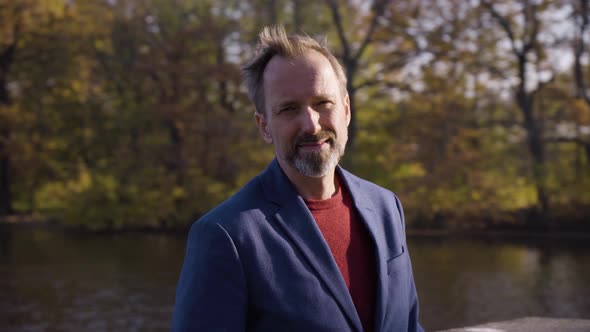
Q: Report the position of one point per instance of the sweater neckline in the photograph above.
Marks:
(324, 204)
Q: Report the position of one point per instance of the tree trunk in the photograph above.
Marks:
(534, 140)
(525, 100)
(272, 11)
(6, 59)
(297, 17)
(579, 49)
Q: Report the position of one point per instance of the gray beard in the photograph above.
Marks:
(317, 164)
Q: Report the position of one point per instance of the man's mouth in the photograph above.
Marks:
(313, 146)
(315, 142)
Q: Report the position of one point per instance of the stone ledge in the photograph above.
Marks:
(530, 324)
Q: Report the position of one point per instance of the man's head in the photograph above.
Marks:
(274, 41)
(299, 89)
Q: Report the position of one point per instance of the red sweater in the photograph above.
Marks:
(352, 248)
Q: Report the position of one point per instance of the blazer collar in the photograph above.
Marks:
(276, 185)
(294, 218)
(278, 188)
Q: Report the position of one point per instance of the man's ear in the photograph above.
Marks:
(347, 109)
(261, 123)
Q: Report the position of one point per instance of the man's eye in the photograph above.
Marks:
(287, 109)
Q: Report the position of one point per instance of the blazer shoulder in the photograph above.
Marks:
(245, 205)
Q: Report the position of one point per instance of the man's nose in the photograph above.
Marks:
(311, 121)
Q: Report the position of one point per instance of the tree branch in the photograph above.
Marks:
(333, 5)
(377, 8)
(504, 24)
(531, 38)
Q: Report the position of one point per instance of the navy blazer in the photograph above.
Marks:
(258, 262)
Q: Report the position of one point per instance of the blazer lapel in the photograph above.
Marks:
(294, 218)
(375, 226)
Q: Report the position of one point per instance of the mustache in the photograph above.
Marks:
(320, 136)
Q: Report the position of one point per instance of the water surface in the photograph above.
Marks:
(50, 280)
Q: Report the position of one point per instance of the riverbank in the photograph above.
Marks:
(40, 222)
(496, 233)
(508, 231)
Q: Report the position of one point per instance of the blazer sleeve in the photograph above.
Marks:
(211, 294)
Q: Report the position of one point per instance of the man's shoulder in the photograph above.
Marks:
(247, 200)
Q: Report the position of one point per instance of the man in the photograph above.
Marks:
(305, 245)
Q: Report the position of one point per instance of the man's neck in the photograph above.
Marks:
(312, 188)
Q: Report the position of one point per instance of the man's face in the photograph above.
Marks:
(306, 113)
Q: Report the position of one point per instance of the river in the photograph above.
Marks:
(56, 281)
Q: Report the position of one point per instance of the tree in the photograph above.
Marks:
(11, 29)
(581, 12)
(527, 53)
(380, 38)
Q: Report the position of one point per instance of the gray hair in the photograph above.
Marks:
(273, 40)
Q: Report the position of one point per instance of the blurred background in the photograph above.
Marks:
(123, 121)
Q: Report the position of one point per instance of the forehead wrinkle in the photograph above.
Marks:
(283, 73)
